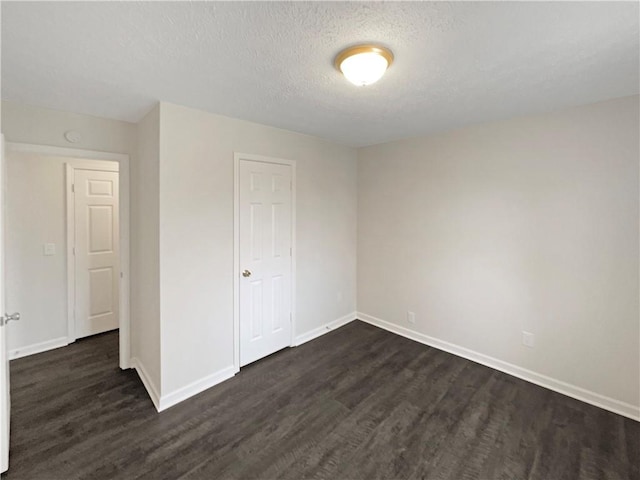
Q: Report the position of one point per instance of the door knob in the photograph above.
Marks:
(7, 318)
(246, 273)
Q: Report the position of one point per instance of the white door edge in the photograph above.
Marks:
(84, 159)
(5, 397)
(237, 157)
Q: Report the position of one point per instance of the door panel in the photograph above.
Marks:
(257, 309)
(100, 282)
(96, 252)
(277, 303)
(256, 232)
(100, 229)
(265, 251)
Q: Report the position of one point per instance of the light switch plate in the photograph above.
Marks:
(49, 249)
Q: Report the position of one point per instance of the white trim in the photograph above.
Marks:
(84, 159)
(97, 165)
(66, 152)
(38, 348)
(587, 396)
(326, 328)
(147, 382)
(236, 262)
(70, 242)
(194, 388)
(236, 246)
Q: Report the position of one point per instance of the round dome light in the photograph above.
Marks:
(364, 64)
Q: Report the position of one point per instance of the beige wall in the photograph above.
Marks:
(35, 214)
(182, 230)
(145, 250)
(37, 284)
(529, 224)
(26, 124)
(196, 234)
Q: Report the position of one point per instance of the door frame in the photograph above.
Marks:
(70, 168)
(237, 157)
(89, 159)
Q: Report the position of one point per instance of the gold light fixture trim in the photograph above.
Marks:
(368, 50)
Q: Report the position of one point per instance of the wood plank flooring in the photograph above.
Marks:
(357, 403)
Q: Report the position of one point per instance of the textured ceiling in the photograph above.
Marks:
(455, 63)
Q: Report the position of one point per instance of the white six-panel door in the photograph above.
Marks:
(265, 240)
(96, 251)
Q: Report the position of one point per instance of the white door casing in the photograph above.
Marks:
(96, 251)
(5, 402)
(265, 260)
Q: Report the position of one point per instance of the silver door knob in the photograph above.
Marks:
(7, 318)
(246, 273)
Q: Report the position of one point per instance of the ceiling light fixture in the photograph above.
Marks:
(364, 64)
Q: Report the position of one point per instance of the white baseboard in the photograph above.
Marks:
(326, 328)
(146, 381)
(38, 348)
(203, 384)
(173, 398)
(593, 398)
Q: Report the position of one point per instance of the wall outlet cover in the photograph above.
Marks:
(49, 249)
(528, 339)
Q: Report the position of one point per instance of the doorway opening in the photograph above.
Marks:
(93, 247)
(67, 247)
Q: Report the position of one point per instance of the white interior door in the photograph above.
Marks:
(5, 403)
(265, 239)
(97, 272)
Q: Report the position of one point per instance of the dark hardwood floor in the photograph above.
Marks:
(357, 403)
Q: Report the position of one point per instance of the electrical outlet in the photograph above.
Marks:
(411, 317)
(528, 339)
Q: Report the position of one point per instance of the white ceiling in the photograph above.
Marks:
(271, 62)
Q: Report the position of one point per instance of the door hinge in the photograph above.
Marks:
(73, 250)
(290, 317)
(73, 188)
(291, 251)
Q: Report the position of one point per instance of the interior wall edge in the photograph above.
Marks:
(173, 398)
(556, 385)
(146, 382)
(168, 400)
(163, 402)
